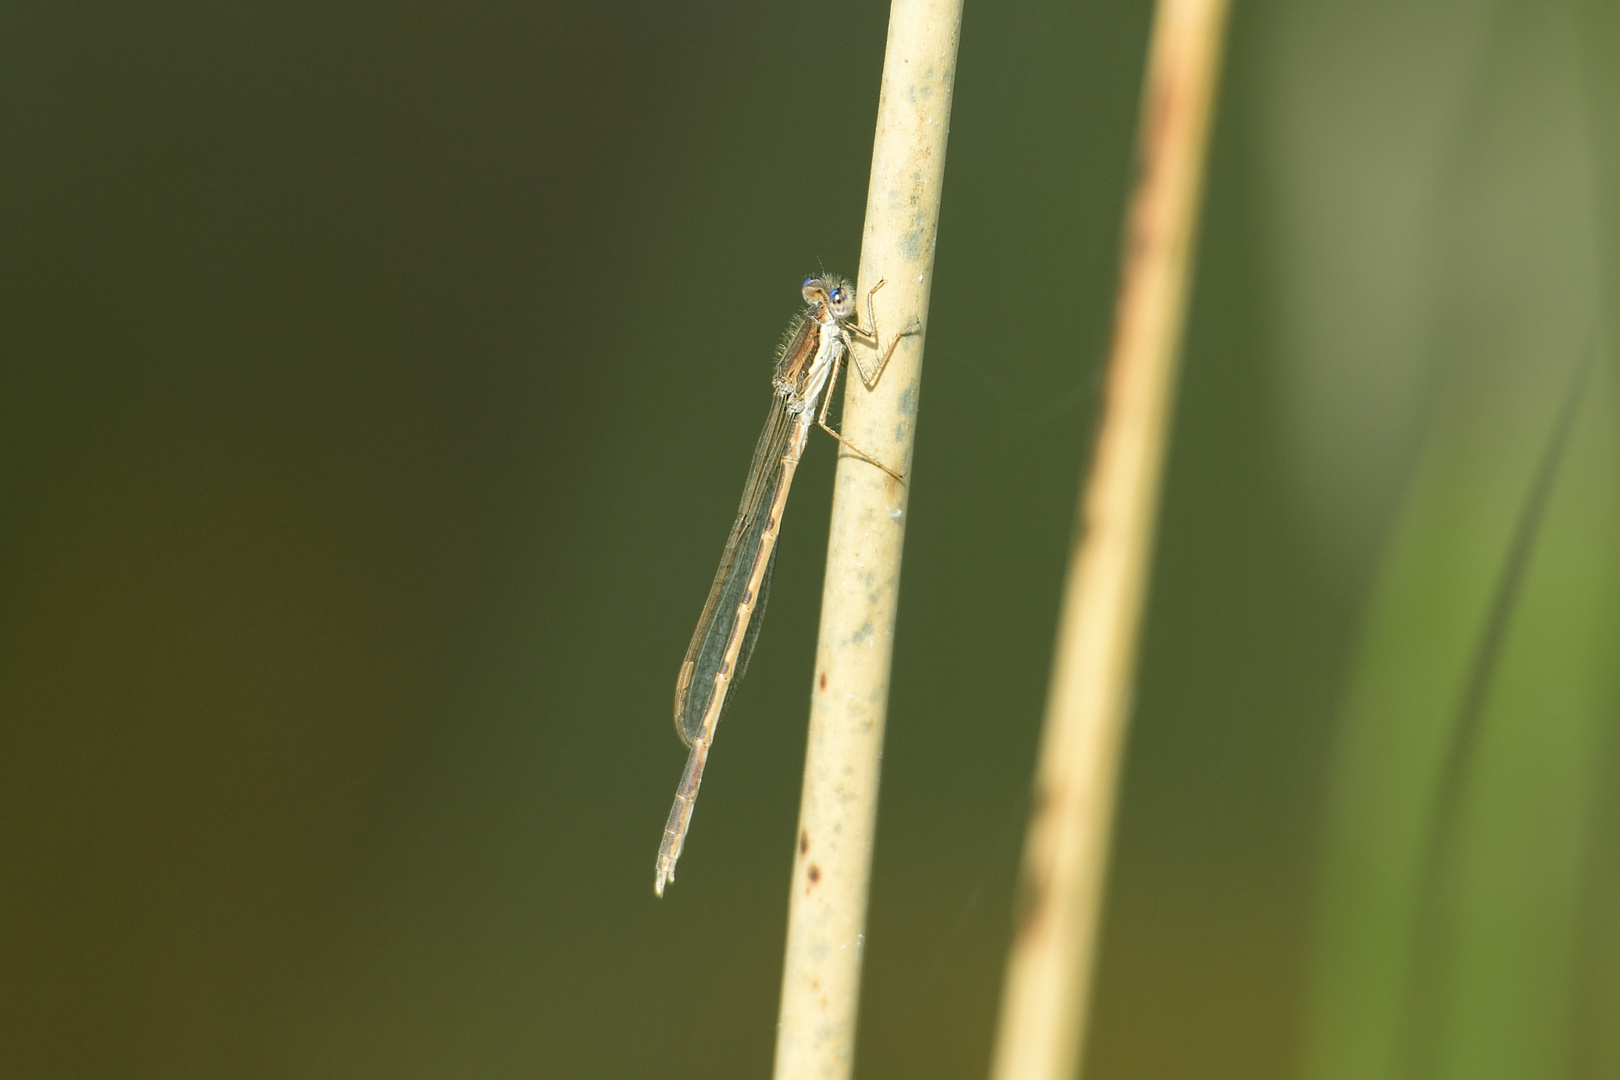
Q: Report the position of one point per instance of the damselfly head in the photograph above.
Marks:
(831, 292)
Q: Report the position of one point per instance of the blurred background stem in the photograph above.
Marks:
(1049, 968)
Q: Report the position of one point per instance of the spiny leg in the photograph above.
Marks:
(821, 422)
(915, 326)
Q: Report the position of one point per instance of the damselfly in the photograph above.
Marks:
(813, 352)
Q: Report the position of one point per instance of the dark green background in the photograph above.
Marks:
(377, 385)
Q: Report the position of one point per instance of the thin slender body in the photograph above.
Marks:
(814, 351)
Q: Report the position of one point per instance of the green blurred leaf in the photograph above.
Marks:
(1469, 807)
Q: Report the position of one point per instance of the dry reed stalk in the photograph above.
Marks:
(849, 697)
(1049, 967)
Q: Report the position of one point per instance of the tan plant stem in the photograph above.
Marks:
(1049, 969)
(849, 696)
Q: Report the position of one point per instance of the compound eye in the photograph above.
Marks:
(841, 302)
(814, 289)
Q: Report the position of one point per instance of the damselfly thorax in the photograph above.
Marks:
(816, 342)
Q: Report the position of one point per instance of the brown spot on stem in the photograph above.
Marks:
(804, 842)
(824, 680)
(1045, 799)
(1029, 906)
(815, 873)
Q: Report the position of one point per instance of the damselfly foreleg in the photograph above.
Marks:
(915, 326)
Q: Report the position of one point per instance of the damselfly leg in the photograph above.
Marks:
(869, 383)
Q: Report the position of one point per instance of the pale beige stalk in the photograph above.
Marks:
(1049, 969)
(849, 696)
